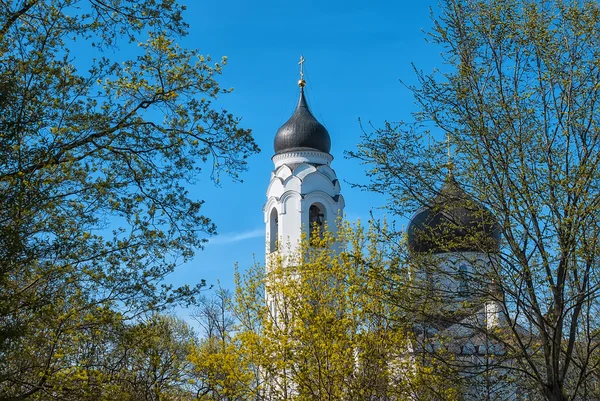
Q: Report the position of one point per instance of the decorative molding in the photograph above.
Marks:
(302, 156)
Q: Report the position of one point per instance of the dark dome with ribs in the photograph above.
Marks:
(453, 222)
(302, 131)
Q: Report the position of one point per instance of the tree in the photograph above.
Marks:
(518, 99)
(147, 360)
(318, 326)
(156, 357)
(220, 370)
(95, 150)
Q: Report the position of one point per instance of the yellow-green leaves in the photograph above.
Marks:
(318, 326)
(518, 98)
(94, 151)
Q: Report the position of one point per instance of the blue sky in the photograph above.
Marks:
(356, 54)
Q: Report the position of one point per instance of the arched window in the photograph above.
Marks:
(273, 230)
(316, 219)
(463, 280)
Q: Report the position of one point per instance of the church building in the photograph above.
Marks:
(453, 241)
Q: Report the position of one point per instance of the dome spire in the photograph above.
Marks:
(302, 131)
(301, 81)
(450, 163)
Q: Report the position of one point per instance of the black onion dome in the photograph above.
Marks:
(302, 131)
(453, 223)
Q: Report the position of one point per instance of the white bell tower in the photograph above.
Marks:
(304, 189)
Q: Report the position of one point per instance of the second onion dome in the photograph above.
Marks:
(302, 131)
(453, 222)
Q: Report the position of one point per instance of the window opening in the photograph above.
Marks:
(274, 230)
(316, 219)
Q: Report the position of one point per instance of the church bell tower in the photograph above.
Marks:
(304, 191)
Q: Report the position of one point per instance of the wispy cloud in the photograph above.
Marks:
(229, 238)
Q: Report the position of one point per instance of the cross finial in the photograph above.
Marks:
(301, 82)
(450, 162)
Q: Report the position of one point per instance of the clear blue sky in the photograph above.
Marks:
(356, 53)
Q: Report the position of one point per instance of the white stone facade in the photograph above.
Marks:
(301, 179)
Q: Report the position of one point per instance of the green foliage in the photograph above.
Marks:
(220, 370)
(143, 361)
(155, 358)
(94, 155)
(518, 98)
(318, 326)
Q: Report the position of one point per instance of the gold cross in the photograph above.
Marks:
(450, 164)
(301, 63)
